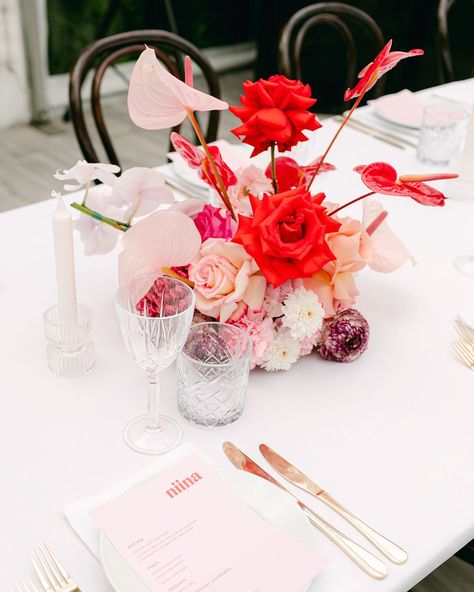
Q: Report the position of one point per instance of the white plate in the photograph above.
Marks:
(266, 500)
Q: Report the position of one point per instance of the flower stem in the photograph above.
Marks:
(274, 177)
(349, 203)
(172, 274)
(339, 130)
(220, 182)
(123, 226)
(86, 193)
(134, 211)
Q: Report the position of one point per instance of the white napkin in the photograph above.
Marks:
(77, 512)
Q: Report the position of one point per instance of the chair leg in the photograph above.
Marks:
(467, 553)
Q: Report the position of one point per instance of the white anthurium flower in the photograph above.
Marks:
(142, 190)
(84, 172)
(99, 238)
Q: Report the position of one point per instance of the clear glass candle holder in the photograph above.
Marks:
(70, 350)
(213, 371)
(442, 133)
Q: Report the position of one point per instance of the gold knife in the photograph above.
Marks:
(366, 561)
(296, 477)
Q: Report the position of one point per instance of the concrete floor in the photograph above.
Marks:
(29, 156)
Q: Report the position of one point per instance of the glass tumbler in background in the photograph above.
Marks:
(213, 371)
(442, 133)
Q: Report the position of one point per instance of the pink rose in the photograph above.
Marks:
(335, 291)
(226, 280)
(334, 283)
(214, 223)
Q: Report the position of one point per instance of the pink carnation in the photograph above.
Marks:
(260, 332)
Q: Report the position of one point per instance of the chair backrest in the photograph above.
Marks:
(446, 64)
(338, 16)
(103, 53)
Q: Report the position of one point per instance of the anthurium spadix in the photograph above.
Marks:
(159, 100)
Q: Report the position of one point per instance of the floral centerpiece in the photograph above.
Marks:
(273, 256)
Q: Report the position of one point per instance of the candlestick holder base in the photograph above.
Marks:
(70, 350)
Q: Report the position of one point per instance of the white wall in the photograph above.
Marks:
(14, 94)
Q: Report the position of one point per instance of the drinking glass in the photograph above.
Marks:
(442, 132)
(153, 331)
(213, 370)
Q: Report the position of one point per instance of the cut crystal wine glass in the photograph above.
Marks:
(154, 330)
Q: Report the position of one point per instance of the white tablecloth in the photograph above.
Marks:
(389, 435)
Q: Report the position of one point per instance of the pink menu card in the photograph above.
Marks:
(185, 531)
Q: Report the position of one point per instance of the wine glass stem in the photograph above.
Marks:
(153, 402)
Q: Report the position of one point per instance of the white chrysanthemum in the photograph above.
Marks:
(303, 313)
(282, 353)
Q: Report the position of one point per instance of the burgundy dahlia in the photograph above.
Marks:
(344, 337)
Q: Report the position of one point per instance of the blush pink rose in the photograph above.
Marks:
(334, 283)
(335, 291)
(227, 280)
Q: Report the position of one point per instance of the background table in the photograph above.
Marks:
(389, 435)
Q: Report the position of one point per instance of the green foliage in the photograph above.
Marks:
(74, 24)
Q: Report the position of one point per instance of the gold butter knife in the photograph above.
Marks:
(366, 561)
(296, 477)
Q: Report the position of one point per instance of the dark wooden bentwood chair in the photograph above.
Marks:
(340, 17)
(102, 54)
(446, 62)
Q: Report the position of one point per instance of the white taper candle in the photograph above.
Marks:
(65, 270)
(468, 152)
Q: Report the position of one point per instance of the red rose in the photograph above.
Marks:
(286, 235)
(275, 111)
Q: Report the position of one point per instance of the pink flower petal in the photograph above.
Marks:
(388, 253)
(159, 100)
(156, 242)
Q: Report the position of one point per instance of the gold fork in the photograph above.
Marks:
(465, 331)
(465, 351)
(24, 586)
(51, 574)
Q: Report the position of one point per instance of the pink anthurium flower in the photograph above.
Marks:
(159, 100)
(388, 252)
(197, 159)
(385, 61)
(381, 177)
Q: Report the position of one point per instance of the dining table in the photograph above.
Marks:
(389, 435)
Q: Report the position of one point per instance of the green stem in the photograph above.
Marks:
(86, 193)
(349, 203)
(220, 182)
(123, 226)
(274, 177)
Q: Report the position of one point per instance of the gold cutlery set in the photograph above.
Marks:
(464, 344)
(52, 575)
(368, 562)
